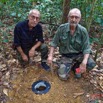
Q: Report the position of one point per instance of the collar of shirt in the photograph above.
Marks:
(68, 28)
(27, 26)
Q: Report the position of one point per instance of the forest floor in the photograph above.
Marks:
(16, 82)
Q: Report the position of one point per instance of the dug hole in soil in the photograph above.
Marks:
(71, 91)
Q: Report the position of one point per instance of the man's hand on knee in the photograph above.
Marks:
(82, 67)
(24, 57)
(31, 53)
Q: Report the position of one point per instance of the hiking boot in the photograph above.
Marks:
(63, 77)
(64, 72)
(45, 66)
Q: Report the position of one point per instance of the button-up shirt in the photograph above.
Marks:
(67, 43)
(25, 37)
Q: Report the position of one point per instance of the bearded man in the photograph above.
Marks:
(74, 47)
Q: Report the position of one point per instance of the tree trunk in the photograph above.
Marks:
(66, 8)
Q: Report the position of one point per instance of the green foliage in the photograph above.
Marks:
(50, 10)
(18, 9)
(5, 35)
(3, 1)
(92, 11)
(99, 42)
(13, 11)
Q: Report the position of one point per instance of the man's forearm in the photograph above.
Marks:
(36, 45)
(19, 49)
(51, 51)
(50, 56)
(86, 56)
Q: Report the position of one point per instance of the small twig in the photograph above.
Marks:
(78, 94)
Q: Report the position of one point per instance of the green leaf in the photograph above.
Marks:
(98, 20)
(1, 24)
(3, 1)
(13, 14)
(5, 41)
(92, 40)
(102, 4)
(101, 22)
(19, 15)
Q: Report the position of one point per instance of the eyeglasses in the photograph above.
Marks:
(34, 17)
(76, 17)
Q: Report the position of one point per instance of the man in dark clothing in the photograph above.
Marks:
(28, 38)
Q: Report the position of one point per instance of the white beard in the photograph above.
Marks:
(73, 24)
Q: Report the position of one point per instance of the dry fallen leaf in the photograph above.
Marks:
(3, 65)
(78, 94)
(5, 91)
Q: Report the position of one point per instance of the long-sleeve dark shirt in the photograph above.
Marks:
(25, 37)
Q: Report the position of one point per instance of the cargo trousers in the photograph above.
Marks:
(70, 62)
(43, 49)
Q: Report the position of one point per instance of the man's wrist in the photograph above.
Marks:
(22, 54)
(84, 61)
(50, 55)
(33, 48)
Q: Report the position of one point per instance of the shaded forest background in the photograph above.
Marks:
(53, 13)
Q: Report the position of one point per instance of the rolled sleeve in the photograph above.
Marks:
(53, 44)
(40, 34)
(87, 51)
(55, 41)
(86, 44)
(17, 36)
